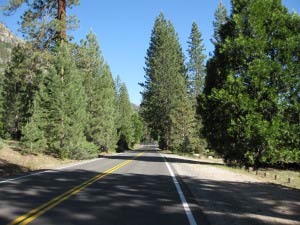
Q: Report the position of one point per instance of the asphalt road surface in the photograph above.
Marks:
(133, 188)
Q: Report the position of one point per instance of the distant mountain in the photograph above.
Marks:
(7, 41)
(135, 107)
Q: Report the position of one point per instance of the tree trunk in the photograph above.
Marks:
(62, 20)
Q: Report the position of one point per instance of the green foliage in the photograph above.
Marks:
(101, 95)
(220, 20)
(166, 107)
(61, 99)
(39, 22)
(21, 81)
(5, 54)
(60, 109)
(196, 73)
(108, 110)
(138, 128)
(195, 65)
(183, 129)
(125, 130)
(33, 139)
(251, 107)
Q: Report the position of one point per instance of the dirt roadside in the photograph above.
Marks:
(229, 198)
(12, 162)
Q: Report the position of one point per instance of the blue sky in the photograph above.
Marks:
(124, 28)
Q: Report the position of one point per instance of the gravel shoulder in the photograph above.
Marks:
(230, 198)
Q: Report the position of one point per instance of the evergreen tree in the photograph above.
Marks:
(195, 65)
(90, 61)
(220, 20)
(125, 131)
(251, 111)
(44, 22)
(61, 109)
(165, 88)
(108, 111)
(2, 109)
(138, 128)
(183, 136)
(215, 67)
(21, 80)
(118, 85)
(33, 138)
(101, 94)
(196, 72)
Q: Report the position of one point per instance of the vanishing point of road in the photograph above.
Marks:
(132, 188)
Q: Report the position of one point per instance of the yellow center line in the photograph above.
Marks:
(35, 213)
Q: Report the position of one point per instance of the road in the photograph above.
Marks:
(132, 188)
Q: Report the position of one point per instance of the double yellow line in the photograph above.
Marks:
(35, 213)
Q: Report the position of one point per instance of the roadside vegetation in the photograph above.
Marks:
(247, 96)
(242, 103)
(58, 97)
(250, 105)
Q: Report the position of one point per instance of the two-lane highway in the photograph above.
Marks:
(132, 188)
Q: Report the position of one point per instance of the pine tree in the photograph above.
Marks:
(197, 73)
(183, 130)
(195, 65)
(107, 113)
(101, 94)
(2, 109)
(137, 126)
(220, 20)
(21, 81)
(165, 88)
(90, 61)
(33, 138)
(215, 67)
(125, 131)
(61, 103)
(44, 22)
(250, 111)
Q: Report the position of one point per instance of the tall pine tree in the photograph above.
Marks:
(108, 111)
(165, 95)
(125, 130)
(196, 73)
(220, 20)
(44, 22)
(21, 81)
(60, 109)
(101, 94)
(138, 128)
(196, 67)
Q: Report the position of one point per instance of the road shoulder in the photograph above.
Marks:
(226, 197)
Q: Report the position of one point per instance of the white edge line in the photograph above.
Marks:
(53, 170)
(184, 202)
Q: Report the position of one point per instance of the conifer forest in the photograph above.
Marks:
(241, 102)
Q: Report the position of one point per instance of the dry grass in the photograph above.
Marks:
(13, 162)
(268, 175)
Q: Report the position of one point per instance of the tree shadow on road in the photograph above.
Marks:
(156, 158)
(246, 203)
(8, 169)
(138, 198)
